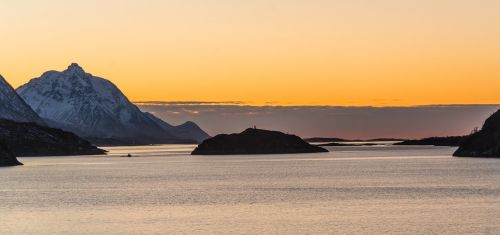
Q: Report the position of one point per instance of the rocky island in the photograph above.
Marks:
(255, 141)
(484, 143)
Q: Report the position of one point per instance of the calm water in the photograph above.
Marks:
(353, 190)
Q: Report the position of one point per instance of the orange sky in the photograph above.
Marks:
(287, 52)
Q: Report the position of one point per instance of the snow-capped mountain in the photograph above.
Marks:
(93, 107)
(12, 107)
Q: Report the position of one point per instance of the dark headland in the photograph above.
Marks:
(7, 158)
(30, 140)
(255, 141)
(484, 143)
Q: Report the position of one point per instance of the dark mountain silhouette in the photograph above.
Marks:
(255, 141)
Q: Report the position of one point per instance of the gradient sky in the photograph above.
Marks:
(329, 121)
(287, 52)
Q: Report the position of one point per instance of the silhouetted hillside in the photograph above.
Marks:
(30, 139)
(484, 143)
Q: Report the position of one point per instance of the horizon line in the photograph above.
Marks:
(278, 104)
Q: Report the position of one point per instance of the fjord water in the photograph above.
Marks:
(392, 189)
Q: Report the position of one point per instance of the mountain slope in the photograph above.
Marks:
(13, 107)
(188, 130)
(92, 107)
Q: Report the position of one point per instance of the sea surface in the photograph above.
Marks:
(164, 190)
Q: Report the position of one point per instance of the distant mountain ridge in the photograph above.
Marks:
(94, 107)
(333, 139)
(325, 139)
(452, 141)
(187, 130)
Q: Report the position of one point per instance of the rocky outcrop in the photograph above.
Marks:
(30, 139)
(7, 158)
(484, 143)
(255, 141)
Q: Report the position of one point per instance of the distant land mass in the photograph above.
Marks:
(255, 141)
(385, 140)
(325, 139)
(333, 139)
(484, 143)
(452, 141)
(94, 108)
(335, 144)
(31, 140)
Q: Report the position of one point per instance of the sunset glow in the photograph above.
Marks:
(293, 52)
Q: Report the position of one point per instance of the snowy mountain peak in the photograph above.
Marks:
(93, 107)
(75, 70)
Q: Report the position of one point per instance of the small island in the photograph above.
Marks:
(484, 143)
(255, 141)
